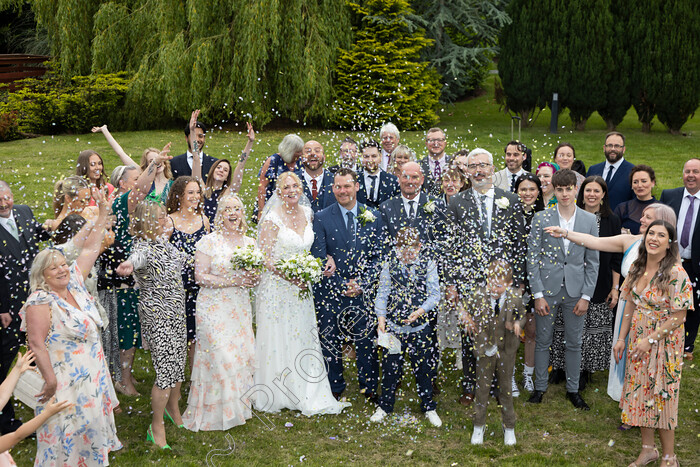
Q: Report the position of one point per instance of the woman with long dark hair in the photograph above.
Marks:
(659, 295)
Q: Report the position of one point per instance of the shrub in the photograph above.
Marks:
(50, 105)
(9, 128)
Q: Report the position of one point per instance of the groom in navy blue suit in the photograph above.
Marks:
(348, 238)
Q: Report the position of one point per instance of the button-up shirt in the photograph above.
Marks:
(407, 205)
(368, 184)
(685, 203)
(616, 166)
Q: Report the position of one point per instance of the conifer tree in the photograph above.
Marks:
(381, 77)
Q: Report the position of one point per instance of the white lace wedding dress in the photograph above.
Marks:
(291, 371)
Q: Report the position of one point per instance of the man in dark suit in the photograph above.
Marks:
(348, 238)
(376, 185)
(685, 201)
(562, 277)
(615, 170)
(318, 182)
(19, 234)
(485, 223)
(182, 164)
(435, 164)
(347, 155)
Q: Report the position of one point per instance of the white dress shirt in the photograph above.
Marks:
(384, 164)
(489, 206)
(685, 204)
(309, 183)
(616, 166)
(368, 184)
(442, 162)
(407, 206)
(5, 222)
(190, 159)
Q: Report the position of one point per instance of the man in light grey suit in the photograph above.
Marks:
(562, 277)
(515, 156)
(485, 222)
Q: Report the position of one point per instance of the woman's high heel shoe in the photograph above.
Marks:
(648, 460)
(167, 415)
(149, 437)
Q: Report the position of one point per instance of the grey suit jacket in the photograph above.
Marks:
(548, 265)
(473, 249)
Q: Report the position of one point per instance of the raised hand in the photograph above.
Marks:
(164, 154)
(193, 127)
(251, 132)
(99, 129)
(24, 362)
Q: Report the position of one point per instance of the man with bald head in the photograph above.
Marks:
(318, 182)
(486, 223)
(19, 235)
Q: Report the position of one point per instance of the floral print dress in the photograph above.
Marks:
(84, 434)
(652, 385)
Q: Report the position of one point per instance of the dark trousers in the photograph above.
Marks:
(348, 319)
(10, 339)
(468, 365)
(692, 318)
(419, 345)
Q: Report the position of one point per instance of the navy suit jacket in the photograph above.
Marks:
(388, 187)
(673, 198)
(430, 184)
(180, 167)
(16, 258)
(359, 260)
(325, 192)
(395, 217)
(619, 189)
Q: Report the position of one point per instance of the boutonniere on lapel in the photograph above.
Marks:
(429, 207)
(366, 216)
(502, 202)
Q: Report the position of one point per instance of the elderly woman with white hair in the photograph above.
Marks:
(63, 330)
(224, 361)
(286, 159)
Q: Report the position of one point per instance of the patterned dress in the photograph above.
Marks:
(652, 385)
(157, 267)
(224, 360)
(85, 433)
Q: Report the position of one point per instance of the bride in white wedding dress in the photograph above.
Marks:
(291, 372)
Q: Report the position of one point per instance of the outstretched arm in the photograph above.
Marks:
(196, 151)
(237, 179)
(123, 156)
(145, 180)
(616, 244)
(93, 244)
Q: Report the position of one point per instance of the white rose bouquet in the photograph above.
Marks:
(248, 258)
(303, 267)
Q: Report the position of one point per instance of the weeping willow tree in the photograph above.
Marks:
(234, 59)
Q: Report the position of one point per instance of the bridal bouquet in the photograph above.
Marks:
(303, 267)
(248, 257)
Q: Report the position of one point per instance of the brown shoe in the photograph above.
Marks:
(688, 356)
(466, 399)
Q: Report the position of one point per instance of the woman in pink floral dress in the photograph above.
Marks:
(658, 295)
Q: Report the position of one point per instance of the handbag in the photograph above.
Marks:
(30, 384)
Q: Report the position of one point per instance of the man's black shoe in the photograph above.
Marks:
(371, 397)
(337, 395)
(577, 400)
(536, 397)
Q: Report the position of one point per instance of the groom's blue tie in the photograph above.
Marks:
(351, 225)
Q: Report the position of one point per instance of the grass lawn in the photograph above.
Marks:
(551, 434)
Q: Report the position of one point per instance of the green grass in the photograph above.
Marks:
(550, 434)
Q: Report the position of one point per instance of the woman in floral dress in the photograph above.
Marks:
(658, 295)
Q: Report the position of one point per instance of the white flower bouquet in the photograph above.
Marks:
(303, 267)
(248, 258)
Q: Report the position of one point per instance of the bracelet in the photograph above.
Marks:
(616, 287)
(566, 235)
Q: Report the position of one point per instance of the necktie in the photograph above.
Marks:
(438, 171)
(314, 189)
(687, 222)
(12, 228)
(513, 178)
(372, 195)
(609, 176)
(411, 209)
(496, 309)
(485, 214)
(351, 225)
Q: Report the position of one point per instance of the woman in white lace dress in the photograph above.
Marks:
(291, 372)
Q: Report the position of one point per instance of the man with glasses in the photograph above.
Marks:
(347, 155)
(435, 164)
(615, 170)
(485, 223)
(515, 156)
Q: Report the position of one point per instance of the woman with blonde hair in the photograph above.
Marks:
(399, 157)
(224, 359)
(60, 314)
(157, 266)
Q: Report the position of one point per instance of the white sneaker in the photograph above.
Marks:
(508, 437)
(433, 418)
(478, 435)
(528, 383)
(515, 391)
(378, 415)
(458, 363)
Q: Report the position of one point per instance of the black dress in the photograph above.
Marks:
(187, 243)
(630, 213)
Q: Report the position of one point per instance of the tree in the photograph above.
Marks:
(465, 35)
(381, 77)
(678, 94)
(618, 69)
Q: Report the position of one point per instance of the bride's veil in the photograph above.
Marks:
(274, 206)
